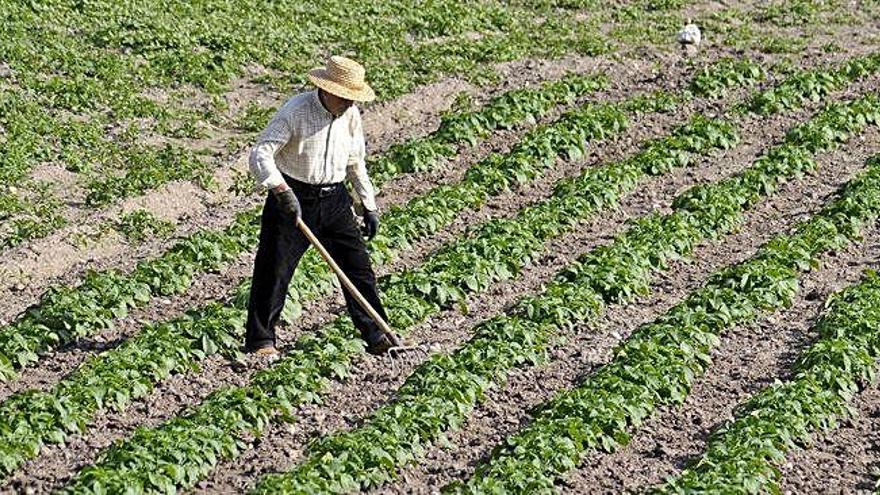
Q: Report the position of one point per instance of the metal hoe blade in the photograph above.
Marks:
(394, 353)
(403, 349)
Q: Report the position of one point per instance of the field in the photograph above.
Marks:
(637, 266)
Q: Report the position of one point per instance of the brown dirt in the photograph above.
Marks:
(748, 359)
(373, 383)
(58, 177)
(416, 113)
(505, 409)
(48, 470)
(845, 460)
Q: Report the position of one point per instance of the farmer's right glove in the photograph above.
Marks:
(288, 203)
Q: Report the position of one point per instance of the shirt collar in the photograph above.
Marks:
(316, 101)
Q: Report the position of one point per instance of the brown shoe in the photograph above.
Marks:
(385, 342)
(270, 353)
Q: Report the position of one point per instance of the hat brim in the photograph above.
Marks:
(320, 78)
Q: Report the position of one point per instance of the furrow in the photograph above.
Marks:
(402, 300)
(659, 362)
(835, 355)
(748, 358)
(845, 460)
(506, 408)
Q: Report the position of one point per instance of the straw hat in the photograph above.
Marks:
(343, 77)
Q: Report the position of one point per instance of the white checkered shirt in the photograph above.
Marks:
(305, 141)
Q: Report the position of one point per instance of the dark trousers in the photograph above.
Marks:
(328, 214)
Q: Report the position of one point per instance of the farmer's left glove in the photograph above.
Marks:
(371, 223)
(288, 203)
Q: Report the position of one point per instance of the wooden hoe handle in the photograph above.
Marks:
(363, 303)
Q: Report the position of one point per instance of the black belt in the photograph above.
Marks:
(315, 191)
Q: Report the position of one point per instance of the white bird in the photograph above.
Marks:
(690, 35)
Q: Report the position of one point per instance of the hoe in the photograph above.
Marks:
(362, 302)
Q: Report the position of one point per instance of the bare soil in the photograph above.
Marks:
(748, 359)
(846, 460)
(505, 410)
(170, 398)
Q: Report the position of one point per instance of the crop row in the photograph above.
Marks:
(33, 209)
(470, 127)
(528, 160)
(66, 313)
(213, 430)
(118, 57)
(813, 85)
(147, 169)
(714, 80)
(439, 395)
(658, 364)
(740, 457)
(79, 74)
(219, 328)
(34, 135)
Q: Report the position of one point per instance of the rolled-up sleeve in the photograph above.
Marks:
(262, 158)
(356, 171)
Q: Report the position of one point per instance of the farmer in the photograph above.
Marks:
(313, 143)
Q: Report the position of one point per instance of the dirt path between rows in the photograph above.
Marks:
(847, 459)
(748, 359)
(505, 409)
(56, 464)
(215, 286)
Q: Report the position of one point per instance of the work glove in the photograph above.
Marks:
(371, 223)
(288, 203)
